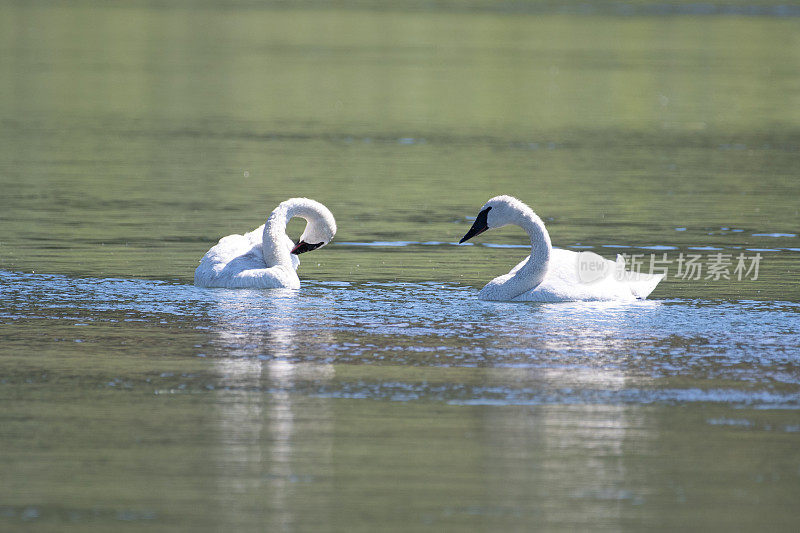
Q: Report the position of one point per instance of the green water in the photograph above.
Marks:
(127, 134)
(133, 136)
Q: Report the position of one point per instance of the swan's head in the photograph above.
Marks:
(320, 227)
(496, 213)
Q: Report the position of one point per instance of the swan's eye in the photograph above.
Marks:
(303, 246)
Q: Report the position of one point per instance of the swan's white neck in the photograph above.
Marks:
(534, 268)
(276, 245)
(273, 245)
(274, 242)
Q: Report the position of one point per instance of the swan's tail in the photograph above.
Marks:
(644, 284)
(641, 285)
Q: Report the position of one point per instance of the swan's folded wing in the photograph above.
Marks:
(563, 283)
(229, 248)
(258, 278)
(234, 253)
(255, 236)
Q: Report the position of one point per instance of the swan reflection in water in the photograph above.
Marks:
(575, 437)
(277, 461)
(260, 418)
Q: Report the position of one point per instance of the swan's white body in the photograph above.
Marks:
(263, 258)
(552, 275)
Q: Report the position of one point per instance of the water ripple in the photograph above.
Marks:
(674, 351)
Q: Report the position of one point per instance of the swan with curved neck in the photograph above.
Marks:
(266, 258)
(550, 274)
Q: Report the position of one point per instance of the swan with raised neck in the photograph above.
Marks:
(549, 274)
(266, 257)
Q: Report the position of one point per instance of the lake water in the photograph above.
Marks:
(383, 395)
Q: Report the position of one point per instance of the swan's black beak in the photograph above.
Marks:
(303, 246)
(479, 226)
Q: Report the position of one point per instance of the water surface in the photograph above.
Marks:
(383, 394)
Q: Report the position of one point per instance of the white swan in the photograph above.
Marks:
(554, 275)
(266, 258)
